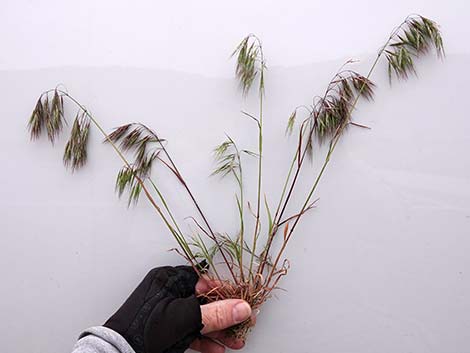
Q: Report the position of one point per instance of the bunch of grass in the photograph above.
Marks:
(253, 270)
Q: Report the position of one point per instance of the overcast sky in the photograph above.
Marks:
(198, 36)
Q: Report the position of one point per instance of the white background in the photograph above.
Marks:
(381, 265)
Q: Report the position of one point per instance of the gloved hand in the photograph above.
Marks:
(163, 315)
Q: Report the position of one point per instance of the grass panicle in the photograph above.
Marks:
(127, 180)
(250, 63)
(36, 121)
(227, 158)
(290, 123)
(141, 140)
(333, 110)
(413, 39)
(48, 115)
(75, 153)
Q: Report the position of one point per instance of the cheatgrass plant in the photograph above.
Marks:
(250, 263)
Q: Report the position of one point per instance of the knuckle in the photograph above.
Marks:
(220, 317)
(153, 271)
(216, 316)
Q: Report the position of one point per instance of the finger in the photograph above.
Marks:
(222, 314)
(206, 345)
(227, 340)
(253, 319)
(205, 284)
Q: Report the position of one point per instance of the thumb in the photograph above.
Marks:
(222, 314)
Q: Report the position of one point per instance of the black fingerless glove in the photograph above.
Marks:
(162, 315)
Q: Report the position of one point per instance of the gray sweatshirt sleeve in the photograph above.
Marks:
(101, 339)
